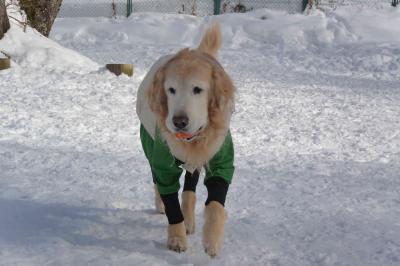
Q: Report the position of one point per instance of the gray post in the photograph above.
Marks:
(128, 8)
(217, 7)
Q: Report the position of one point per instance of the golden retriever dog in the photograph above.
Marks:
(185, 104)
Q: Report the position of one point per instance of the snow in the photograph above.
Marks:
(29, 48)
(35, 51)
(316, 132)
(373, 26)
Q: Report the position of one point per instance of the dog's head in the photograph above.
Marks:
(192, 92)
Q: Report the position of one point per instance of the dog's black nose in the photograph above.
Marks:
(180, 121)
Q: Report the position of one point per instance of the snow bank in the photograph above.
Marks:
(31, 49)
(259, 28)
(372, 25)
(332, 43)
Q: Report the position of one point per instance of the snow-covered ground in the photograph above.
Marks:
(316, 131)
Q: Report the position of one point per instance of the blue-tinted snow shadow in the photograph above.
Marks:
(311, 211)
(25, 222)
(294, 213)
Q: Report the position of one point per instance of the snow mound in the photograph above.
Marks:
(372, 25)
(30, 49)
(259, 28)
(328, 43)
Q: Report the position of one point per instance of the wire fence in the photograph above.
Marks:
(93, 8)
(291, 6)
(110, 8)
(362, 3)
(191, 7)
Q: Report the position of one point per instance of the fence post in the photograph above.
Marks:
(217, 7)
(305, 3)
(128, 8)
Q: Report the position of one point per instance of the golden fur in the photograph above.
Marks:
(188, 206)
(198, 152)
(157, 201)
(213, 229)
(177, 240)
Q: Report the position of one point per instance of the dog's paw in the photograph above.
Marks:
(177, 244)
(190, 227)
(177, 237)
(213, 230)
(212, 245)
(212, 251)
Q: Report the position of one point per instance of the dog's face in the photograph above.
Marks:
(191, 92)
(187, 86)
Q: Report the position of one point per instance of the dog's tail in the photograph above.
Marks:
(211, 41)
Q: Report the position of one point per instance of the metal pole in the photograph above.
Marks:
(128, 8)
(305, 3)
(217, 7)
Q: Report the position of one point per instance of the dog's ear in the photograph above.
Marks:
(222, 92)
(156, 96)
(211, 41)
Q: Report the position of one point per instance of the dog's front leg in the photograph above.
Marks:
(189, 201)
(214, 216)
(176, 229)
(188, 207)
(177, 237)
(213, 230)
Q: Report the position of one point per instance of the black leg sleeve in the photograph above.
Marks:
(172, 208)
(191, 181)
(217, 189)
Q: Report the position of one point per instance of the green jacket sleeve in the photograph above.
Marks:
(221, 164)
(164, 166)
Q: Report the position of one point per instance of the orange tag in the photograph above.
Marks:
(181, 135)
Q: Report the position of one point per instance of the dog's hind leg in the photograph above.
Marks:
(157, 201)
(189, 201)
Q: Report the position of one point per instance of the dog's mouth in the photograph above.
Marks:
(187, 137)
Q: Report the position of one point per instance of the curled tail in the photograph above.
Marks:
(211, 41)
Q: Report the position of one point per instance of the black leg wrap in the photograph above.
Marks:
(191, 181)
(172, 208)
(217, 189)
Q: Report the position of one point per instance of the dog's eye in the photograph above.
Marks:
(171, 90)
(197, 90)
